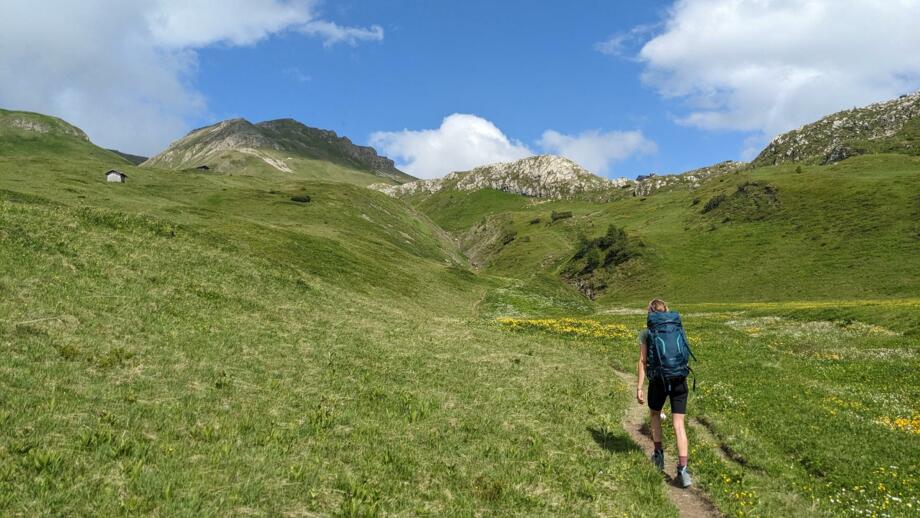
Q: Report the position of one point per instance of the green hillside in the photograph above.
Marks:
(779, 233)
(258, 341)
(27, 134)
(202, 344)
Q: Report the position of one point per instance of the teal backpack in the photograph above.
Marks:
(668, 351)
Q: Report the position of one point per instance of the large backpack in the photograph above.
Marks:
(668, 352)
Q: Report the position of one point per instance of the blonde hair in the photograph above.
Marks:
(657, 306)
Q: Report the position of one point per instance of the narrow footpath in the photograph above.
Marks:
(690, 502)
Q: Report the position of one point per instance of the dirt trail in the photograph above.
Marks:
(690, 502)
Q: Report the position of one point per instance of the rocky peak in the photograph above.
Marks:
(282, 135)
(297, 135)
(836, 136)
(543, 176)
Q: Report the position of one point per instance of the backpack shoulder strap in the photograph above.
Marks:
(686, 341)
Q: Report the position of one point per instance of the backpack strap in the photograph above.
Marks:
(686, 341)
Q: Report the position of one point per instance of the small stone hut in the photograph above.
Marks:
(115, 176)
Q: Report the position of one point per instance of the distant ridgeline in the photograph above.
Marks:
(886, 127)
(543, 176)
(275, 143)
(812, 229)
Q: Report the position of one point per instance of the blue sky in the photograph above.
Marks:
(624, 88)
(524, 69)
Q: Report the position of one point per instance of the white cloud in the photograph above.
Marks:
(297, 75)
(122, 71)
(596, 151)
(462, 142)
(622, 43)
(767, 66)
(612, 46)
(333, 33)
(184, 23)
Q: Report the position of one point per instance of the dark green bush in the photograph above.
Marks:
(713, 203)
(609, 250)
(556, 216)
(302, 198)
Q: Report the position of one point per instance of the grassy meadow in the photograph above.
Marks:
(841, 232)
(201, 344)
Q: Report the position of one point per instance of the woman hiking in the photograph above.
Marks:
(664, 355)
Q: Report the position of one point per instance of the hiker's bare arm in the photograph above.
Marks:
(643, 350)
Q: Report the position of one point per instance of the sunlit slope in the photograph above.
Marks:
(351, 233)
(201, 344)
(843, 231)
(48, 139)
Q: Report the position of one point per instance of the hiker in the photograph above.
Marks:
(664, 355)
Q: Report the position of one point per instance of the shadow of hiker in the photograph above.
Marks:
(612, 442)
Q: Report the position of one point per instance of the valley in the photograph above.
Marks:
(253, 340)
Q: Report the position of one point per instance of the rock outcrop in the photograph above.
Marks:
(838, 136)
(648, 184)
(542, 176)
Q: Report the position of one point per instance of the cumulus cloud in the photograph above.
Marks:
(122, 71)
(767, 66)
(462, 142)
(597, 151)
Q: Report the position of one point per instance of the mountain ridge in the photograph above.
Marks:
(268, 141)
(539, 176)
(847, 133)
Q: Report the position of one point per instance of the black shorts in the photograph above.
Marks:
(675, 389)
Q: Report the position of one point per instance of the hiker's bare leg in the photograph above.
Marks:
(680, 432)
(654, 418)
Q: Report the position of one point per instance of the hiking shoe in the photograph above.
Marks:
(658, 459)
(683, 476)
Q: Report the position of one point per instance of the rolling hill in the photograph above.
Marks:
(28, 134)
(836, 231)
(283, 145)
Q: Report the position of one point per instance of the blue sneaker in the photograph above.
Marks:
(683, 476)
(658, 459)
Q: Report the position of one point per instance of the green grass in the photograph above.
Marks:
(198, 343)
(846, 231)
(805, 409)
